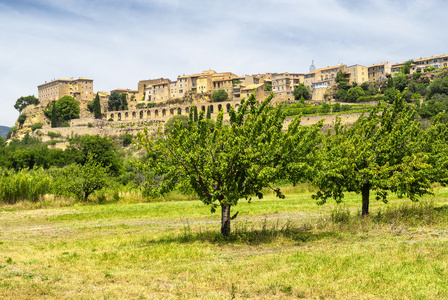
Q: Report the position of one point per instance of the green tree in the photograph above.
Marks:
(23, 102)
(354, 93)
(340, 76)
(219, 96)
(2, 142)
(406, 68)
(124, 101)
(195, 113)
(54, 116)
(379, 152)
(21, 119)
(97, 107)
(224, 163)
(268, 87)
(438, 86)
(169, 125)
(83, 180)
(209, 115)
(401, 81)
(67, 108)
(302, 91)
(114, 101)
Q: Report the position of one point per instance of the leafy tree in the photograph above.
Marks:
(36, 126)
(114, 101)
(97, 107)
(379, 152)
(219, 96)
(124, 101)
(127, 139)
(390, 82)
(224, 163)
(438, 86)
(302, 91)
(341, 94)
(354, 93)
(2, 142)
(67, 108)
(23, 102)
(400, 82)
(21, 119)
(169, 125)
(102, 149)
(406, 68)
(365, 86)
(340, 76)
(268, 87)
(83, 180)
(389, 94)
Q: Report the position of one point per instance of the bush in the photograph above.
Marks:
(127, 139)
(65, 124)
(90, 125)
(354, 93)
(416, 75)
(219, 96)
(169, 125)
(21, 119)
(53, 134)
(36, 126)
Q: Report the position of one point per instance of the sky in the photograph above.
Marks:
(118, 43)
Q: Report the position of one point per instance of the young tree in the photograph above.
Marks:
(85, 179)
(354, 93)
(195, 113)
(379, 152)
(124, 101)
(209, 115)
(219, 96)
(97, 107)
(302, 91)
(23, 102)
(224, 163)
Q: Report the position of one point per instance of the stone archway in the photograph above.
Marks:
(187, 110)
(228, 107)
(148, 113)
(119, 116)
(163, 112)
(219, 107)
(156, 113)
(141, 114)
(133, 115)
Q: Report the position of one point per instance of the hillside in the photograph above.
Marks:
(4, 131)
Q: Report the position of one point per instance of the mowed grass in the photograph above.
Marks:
(278, 249)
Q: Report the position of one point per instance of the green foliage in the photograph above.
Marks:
(53, 134)
(438, 86)
(23, 102)
(390, 94)
(406, 69)
(400, 81)
(90, 106)
(169, 125)
(219, 96)
(101, 148)
(341, 94)
(90, 125)
(302, 91)
(97, 107)
(26, 184)
(416, 75)
(2, 142)
(382, 152)
(354, 93)
(268, 87)
(224, 163)
(21, 119)
(54, 116)
(67, 108)
(65, 124)
(83, 180)
(340, 76)
(114, 101)
(325, 108)
(127, 139)
(13, 129)
(209, 115)
(365, 86)
(36, 126)
(124, 101)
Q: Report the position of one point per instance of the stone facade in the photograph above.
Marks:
(379, 71)
(81, 89)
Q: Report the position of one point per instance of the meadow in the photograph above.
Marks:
(278, 249)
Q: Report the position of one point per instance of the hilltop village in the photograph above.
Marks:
(156, 100)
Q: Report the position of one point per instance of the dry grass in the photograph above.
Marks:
(278, 249)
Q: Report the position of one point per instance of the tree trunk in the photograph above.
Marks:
(365, 190)
(225, 219)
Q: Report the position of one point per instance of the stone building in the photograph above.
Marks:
(379, 71)
(283, 84)
(81, 89)
(357, 73)
(438, 61)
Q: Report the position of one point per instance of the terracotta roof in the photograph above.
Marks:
(252, 86)
(431, 57)
(380, 64)
(324, 69)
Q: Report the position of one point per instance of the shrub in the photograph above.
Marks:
(219, 96)
(65, 124)
(53, 134)
(36, 126)
(21, 119)
(90, 125)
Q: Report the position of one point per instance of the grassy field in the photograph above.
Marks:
(278, 249)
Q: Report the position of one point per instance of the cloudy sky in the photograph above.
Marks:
(117, 43)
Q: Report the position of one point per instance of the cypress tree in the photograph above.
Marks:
(195, 114)
(97, 107)
(209, 115)
(54, 116)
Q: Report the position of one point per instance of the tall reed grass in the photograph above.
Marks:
(26, 184)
